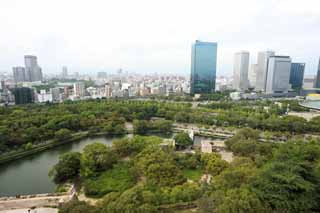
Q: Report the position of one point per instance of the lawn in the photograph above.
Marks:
(117, 179)
(192, 174)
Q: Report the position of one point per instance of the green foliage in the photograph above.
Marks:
(135, 200)
(140, 127)
(188, 160)
(96, 157)
(240, 200)
(192, 174)
(213, 164)
(143, 126)
(290, 180)
(239, 173)
(246, 143)
(62, 134)
(158, 167)
(182, 140)
(78, 207)
(117, 179)
(67, 168)
(28, 146)
(185, 192)
(132, 146)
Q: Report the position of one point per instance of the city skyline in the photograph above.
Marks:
(140, 39)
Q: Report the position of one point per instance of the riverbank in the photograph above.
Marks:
(49, 145)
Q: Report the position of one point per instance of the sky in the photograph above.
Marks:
(154, 36)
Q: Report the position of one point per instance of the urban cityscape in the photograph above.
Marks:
(272, 76)
(159, 106)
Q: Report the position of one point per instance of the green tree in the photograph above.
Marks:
(76, 206)
(182, 140)
(67, 168)
(97, 157)
(213, 163)
(140, 127)
(290, 181)
(62, 134)
(240, 200)
(158, 167)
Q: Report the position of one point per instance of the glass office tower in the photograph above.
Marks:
(203, 67)
(317, 82)
(296, 75)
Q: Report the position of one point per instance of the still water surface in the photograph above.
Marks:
(29, 175)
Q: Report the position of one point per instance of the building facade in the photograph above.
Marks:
(23, 95)
(19, 74)
(317, 80)
(262, 69)
(33, 71)
(278, 74)
(296, 75)
(203, 67)
(240, 71)
(64, 73)
(79, 89)
(252, 76)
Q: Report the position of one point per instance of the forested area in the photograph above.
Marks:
(263, 177)
(25, 126)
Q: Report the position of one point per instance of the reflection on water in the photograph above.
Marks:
(30, 174)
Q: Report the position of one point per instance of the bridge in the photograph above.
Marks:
(192, 131)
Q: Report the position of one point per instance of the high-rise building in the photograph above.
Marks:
(203, 67)
(278, 74)
(253, 75)
(296, 75)
(33, 71)
(56, 96)
(102, 75)
(19, 74)
(79, 89)
(64, 73)
(317, 80)
(108, 90)
(240, 71)
(66, 92)
(23, 95)
(262, 69)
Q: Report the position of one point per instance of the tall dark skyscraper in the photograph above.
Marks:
(317, 82)
(23, 95)
(203, 67)
(296, 75)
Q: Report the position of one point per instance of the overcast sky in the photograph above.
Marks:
(150, 36)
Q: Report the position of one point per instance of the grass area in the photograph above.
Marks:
(117, 179)
(192, 174)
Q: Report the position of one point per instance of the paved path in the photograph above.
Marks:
(38, 210)
(48, 201)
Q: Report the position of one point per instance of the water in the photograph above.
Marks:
(312, 104)
(29, 175)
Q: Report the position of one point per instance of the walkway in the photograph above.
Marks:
(37, 210)
(25, 203)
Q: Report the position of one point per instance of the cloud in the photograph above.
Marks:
(153, 35)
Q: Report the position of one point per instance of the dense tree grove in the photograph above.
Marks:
(139, 174)
(182, 140)
(36, 124)
(263, 177)
(139, 177)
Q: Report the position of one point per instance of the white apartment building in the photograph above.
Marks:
(262, 69)
(240, 71)
(278, 74)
